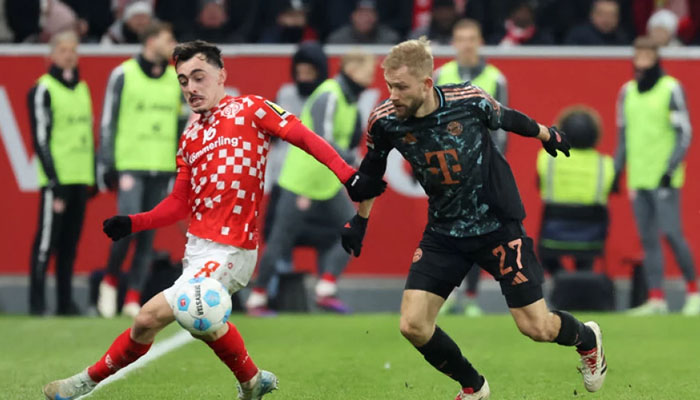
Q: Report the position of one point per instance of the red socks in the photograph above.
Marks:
(656, 294)
(328, 277)
(132, 296)
(231, 350)
(123, 351)
(692, 287)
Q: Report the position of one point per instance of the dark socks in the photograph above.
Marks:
(574, 333)
(444, 354)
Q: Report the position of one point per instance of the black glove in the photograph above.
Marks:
(111, 179)
(362, 186)
(665, 181)
(353, 233)
(557, 141)
(117, 227)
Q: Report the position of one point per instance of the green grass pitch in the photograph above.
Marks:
(362, 357)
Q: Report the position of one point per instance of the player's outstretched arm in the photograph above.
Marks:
(172, 209)
(553, 139)
(360, 185)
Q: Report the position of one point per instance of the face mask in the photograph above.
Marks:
(647, 78)
(305, 88)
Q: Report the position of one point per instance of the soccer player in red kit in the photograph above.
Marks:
(221, 164)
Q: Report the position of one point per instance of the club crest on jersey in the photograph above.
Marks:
(231, 110)
(455, 128)
(409, 138)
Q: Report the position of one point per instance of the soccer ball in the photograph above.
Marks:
(202, 305)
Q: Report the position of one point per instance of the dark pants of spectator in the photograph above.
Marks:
(658, 213)
(145, 193)
(293, 220)
(58, 233)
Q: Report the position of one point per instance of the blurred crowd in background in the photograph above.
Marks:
(504, 22)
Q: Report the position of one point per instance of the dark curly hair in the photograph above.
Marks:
(187, 50)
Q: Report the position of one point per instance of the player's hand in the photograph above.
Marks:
(364, 187)
(117, 227)
(352, 235)
(557, 141)
(665, 181)
(111, 179)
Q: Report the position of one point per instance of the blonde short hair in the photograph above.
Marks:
(415, 54)
(356, 56)
(63, 36)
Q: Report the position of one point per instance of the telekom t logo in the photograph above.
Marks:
(443, 163)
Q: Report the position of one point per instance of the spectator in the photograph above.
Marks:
(94, 17)
(138, 142)
(663, 28)
(364, 28)
(520, 29)
(575, 194)
(5, 31)
(24, 20)
(470, 66)
(61, 118)
(136, 18)
(602, 29)
(653, 137)
(221, 21)
(442, 18)
(291, 24)
(310, 198)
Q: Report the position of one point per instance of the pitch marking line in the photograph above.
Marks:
(159, 349)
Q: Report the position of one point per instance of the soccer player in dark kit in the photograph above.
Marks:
(474, 216)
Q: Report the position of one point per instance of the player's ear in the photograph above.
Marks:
(428, 83)
(222, 76)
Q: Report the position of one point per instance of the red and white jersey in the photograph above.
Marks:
(224, 154)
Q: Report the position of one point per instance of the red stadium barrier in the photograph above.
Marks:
(539, 87)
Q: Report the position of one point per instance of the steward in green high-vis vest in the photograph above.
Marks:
(311, 205)
(139, 136)
(654, 135)
(71, 145)
(575, 193)
(468, 65)
(61, 119)
(145, 130)
(303, 174)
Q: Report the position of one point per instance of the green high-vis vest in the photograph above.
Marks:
(146, 137)
(301, 173)
(583, 179)
(72, 144)
(649, 135)
(487, 79)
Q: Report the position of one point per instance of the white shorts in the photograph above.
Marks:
(230, 265)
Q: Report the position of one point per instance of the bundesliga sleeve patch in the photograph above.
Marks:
(279, 110)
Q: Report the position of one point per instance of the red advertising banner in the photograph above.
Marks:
(540, 87)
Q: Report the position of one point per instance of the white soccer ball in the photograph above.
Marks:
(202, 305)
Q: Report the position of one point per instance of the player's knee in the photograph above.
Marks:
(144, 324)
(417, 332)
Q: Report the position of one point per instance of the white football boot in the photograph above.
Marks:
(482, 394)
(650, 307)
(263, 383)
(594, 367)
(692, 305)
(70, 388)
(131, 309)
(107, 300)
